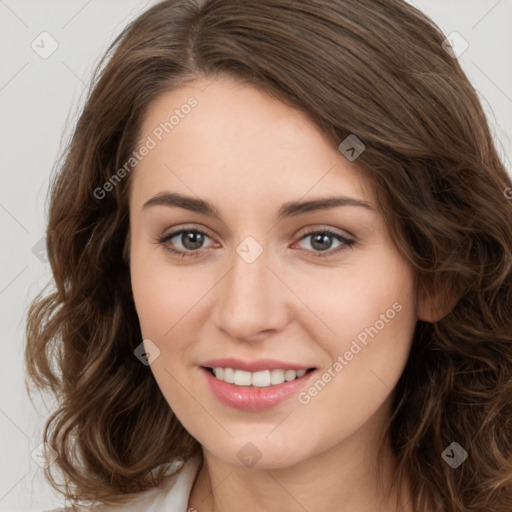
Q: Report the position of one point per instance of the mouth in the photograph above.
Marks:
(257, 384)
(259, 379)
(256, 391)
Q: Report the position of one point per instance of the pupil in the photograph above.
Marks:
(192, 240)
(321, 241)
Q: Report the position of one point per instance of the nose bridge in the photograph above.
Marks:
(250, 300)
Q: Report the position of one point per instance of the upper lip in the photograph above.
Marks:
(253, 366)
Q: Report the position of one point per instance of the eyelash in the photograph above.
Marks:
(346, 242)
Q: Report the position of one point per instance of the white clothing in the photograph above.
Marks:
(173, 496)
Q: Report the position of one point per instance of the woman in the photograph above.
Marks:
(282, 252)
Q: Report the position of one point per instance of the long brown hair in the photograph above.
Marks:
(372, 68)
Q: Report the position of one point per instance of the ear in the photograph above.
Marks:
(433, 305)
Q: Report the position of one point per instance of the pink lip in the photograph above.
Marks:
(253, 366)
(253, 399)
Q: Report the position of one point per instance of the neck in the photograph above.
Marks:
(346, 477)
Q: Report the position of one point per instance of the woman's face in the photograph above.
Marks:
(259, 280)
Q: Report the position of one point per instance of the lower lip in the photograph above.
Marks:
(253, 398)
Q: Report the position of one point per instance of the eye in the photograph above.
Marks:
(193, 239)
(322, 240)
(190, 239)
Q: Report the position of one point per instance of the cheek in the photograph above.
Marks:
(164, 300)
(373, 314)
(162, 293)
(368, 316)
(374, 290)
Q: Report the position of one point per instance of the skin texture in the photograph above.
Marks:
(247, 154)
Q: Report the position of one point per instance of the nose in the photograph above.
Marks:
(252, 299)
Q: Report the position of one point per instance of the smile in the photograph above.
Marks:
(255, 391)
(261, 379)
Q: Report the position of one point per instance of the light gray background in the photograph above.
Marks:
(39, 99)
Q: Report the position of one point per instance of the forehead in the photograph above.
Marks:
(226, 137)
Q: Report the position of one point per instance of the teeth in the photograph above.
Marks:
(260, 379)
(242, 378)
(229, 375)
(277, 376)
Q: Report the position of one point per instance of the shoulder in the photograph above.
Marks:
(65, 509)
(77, 508)
(62, 509)
(173, 494)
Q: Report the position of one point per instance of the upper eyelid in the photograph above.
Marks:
(308, 231)
(178, 231)
(301, 232)
(305, 230)
(319, 229)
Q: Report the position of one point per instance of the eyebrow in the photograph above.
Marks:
(288, 209)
